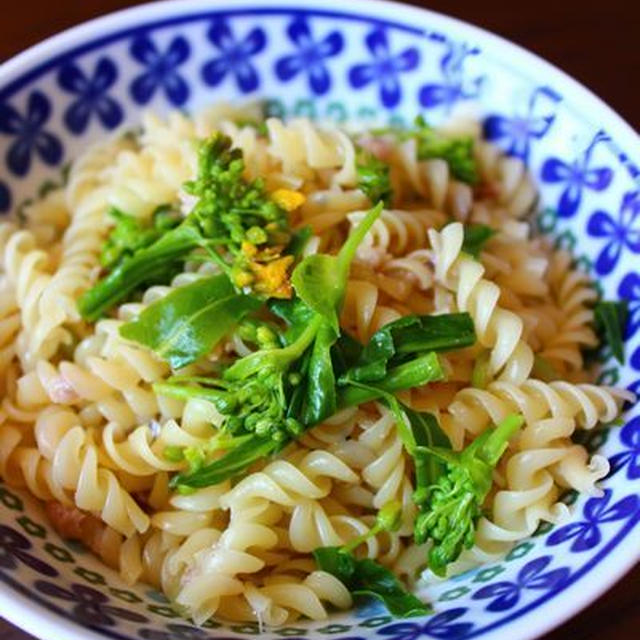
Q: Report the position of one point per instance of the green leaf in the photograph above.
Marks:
(155, 263)
(408, 336)
(365, 577)
(276, 359)
(320, 396)
(475, 237)
(320, 279)
(345, 353)
(610, 320)
(188, 322)
(426, 433)
(233, 463)
(413, 373)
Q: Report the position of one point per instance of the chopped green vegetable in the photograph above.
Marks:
(425, 433)
(130, 234)
(229, 213)
(188, 322)
(259, 125)
(610, 321)
(320, 279)
(257, 392)
(373, 178)
(456, 151)
(389, 518)
(415, 372)
(411, 334)
(450, 508)
(475, 237)
(365, 577)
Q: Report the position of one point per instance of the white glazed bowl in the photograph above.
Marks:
(372, 62)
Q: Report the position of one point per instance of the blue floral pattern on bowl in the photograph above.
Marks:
(29, 135)
(235, 56)
(311, 56)
(375, 65)
(162, 70)
(92, 95)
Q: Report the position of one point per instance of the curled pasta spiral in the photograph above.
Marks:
(507, 177)
(571, 327)
(54, 305)
(308, 475)
(474, 409)
(498, 329)
(76, 470)
(28, 272)
(303, 150)
(395, 233)
(64, 465)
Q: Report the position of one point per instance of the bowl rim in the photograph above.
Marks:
(18, 608)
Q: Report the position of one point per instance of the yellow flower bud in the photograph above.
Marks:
(287, 199)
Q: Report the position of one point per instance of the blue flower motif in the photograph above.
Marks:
(162, 70)
(385, 68)
(629, 290)
(635, 363)
(92, 95)
(30, 134)
(516, 132)
(5, 197)
(634, 387)
(630, 458)
(454, 86)
(506, 595)
(442, 625)
(310, 56)
(91, 607)
(623, 232)
(577, 176)
(235, 56)
(586, 533)
(14, 548)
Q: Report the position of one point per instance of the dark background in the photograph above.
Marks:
(597, 43)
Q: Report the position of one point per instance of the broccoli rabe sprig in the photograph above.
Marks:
(130, 234)
(373, 177)
(366, 577)
(451, 508)
(456, 151)
(234, 223)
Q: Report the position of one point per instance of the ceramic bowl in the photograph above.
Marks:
(370, 62)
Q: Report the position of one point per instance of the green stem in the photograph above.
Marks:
(356, 542)
(185, 392)
(497, 442)
(348, 251)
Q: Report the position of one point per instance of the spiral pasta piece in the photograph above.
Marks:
(497, 329)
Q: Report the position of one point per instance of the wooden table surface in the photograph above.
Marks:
(595, 42)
